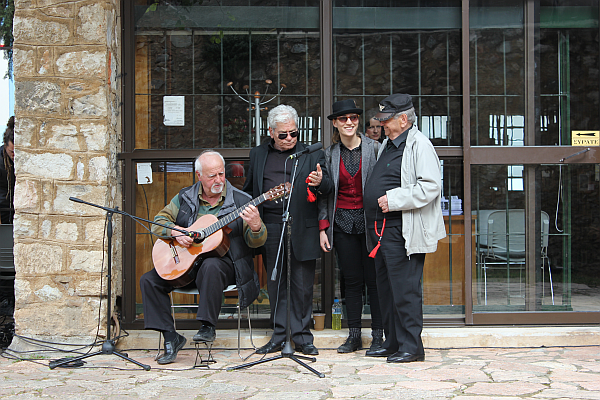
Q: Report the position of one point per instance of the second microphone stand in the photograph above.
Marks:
(287, 351)
(108, 347)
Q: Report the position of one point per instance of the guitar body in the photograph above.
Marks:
(174, 263)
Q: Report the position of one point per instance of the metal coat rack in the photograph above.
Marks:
(256, 101)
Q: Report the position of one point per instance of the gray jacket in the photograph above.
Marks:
(327, 205)
(241, 254)
(419, 196)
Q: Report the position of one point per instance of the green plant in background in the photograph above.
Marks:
(7, 13)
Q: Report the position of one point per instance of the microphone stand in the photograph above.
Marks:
(287, 351)
(108, 347)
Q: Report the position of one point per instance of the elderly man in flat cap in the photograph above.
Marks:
(402, 202)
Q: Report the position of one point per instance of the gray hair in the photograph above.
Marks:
(282, 114)
(198, 164)
(410, 115)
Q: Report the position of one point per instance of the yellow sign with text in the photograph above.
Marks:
(585, 138)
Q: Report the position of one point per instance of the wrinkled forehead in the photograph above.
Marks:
(212, 165)
(285, 126)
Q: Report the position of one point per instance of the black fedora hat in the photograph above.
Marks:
(344, 107)
(392, 105)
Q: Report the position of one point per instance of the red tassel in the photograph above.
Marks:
(374, 252)
(311, 196)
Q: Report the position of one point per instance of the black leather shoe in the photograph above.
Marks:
(402, 357)
(270, 347)
(171, 350)
(307, 348)
(351, 344)
(375, 344)
(380, 352)
(205, 334)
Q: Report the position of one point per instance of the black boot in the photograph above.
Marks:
(377, 341)
(353, 342)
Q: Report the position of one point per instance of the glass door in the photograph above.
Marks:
(534, 177)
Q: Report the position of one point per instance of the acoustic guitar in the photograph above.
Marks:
(174, 262)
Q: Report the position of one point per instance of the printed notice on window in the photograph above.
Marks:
(585, 138)
(173, 110)
(144, 173)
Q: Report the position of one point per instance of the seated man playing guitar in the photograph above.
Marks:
(210, 272)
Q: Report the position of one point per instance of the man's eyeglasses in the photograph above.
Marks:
(353, 118)
(284, 135)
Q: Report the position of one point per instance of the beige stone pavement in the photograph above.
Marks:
(562, 372)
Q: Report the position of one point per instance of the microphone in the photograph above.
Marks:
(198, 236)
(310, 149)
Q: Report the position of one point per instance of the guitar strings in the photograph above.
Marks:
(229, 218)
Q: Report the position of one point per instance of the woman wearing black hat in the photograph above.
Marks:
(350, 160)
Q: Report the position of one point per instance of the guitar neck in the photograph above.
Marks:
(229, 218)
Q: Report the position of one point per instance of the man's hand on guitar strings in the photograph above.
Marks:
(252, 218)
(184, 240)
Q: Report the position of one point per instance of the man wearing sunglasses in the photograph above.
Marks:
(268, 168)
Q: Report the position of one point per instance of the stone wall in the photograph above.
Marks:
(67, 136)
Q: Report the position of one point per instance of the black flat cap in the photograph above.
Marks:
(344, 107)
(392, 105)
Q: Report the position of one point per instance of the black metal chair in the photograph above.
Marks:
(194, 291)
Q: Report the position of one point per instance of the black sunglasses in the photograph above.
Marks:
(284, 135)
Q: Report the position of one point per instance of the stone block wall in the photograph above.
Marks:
(67, 136)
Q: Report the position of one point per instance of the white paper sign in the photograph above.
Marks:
(144, 173)
(173, 110)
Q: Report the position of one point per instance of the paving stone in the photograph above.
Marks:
(519, 376)
(450, 373)
(485, 398)
(308, 395)
(510, 389)
(62, 390)
(568, 394)
(591, 385)
(482, 374)
(358, 390)
(515, 366)
(570, 376)
(556, 365)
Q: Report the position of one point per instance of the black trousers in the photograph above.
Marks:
(400, 294)
(301, 288)
(213, 276)
(357, 269)
(6, 216)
